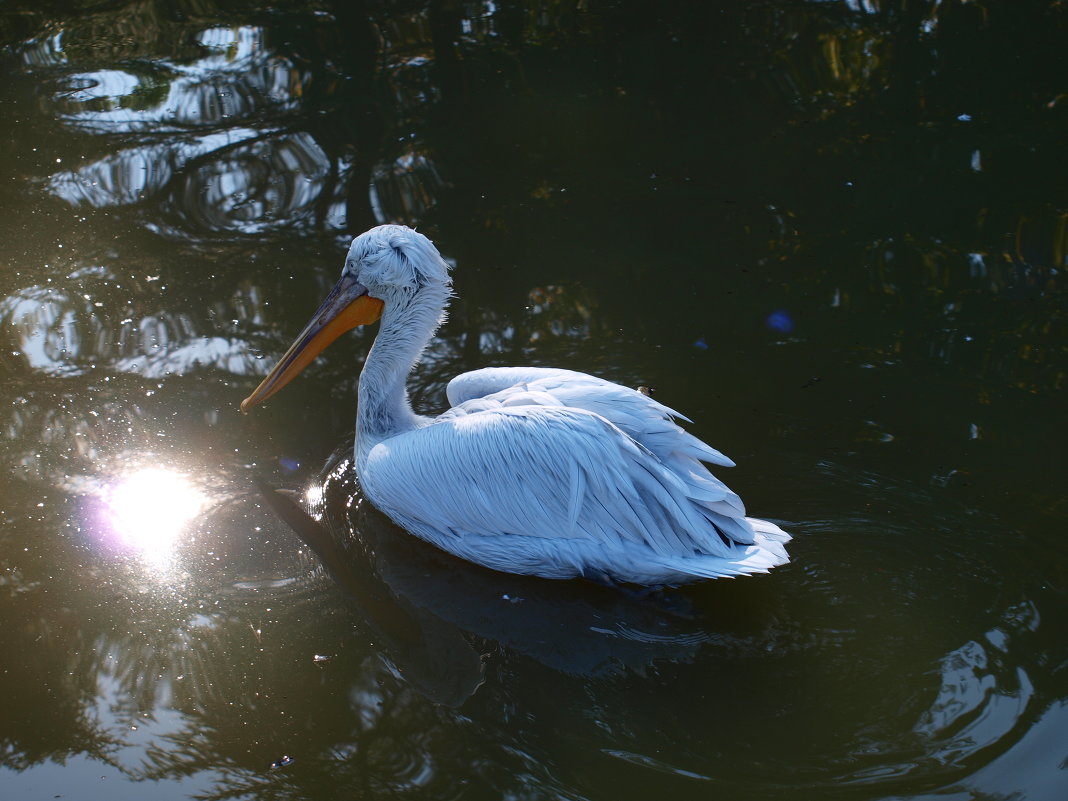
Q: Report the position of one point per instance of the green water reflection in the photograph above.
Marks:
(834, 234)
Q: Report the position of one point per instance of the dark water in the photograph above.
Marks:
(834, 234)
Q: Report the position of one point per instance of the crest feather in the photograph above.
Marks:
(397, 256)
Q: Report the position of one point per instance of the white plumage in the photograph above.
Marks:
(533, 470)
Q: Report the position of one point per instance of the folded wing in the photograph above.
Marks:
(526, 480)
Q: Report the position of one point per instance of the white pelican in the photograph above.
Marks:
(533, 470)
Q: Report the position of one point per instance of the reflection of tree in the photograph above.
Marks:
(49, 656)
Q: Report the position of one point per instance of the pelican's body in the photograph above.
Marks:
(537, 471)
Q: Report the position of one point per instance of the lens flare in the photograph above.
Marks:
(148, 509)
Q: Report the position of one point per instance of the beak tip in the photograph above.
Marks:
(246, 404)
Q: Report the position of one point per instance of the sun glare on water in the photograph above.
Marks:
(149, 509)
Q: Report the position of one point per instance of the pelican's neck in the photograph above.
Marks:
(407, 326)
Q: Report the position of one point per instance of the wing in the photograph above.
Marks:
(555, 491)
(619, 404)
(646, 421)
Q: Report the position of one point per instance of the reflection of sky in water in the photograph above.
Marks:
(236, 76)
(107, 85)
(129, 175)
(255, 182)
(268, 183)
(66, 332)
(145, 513)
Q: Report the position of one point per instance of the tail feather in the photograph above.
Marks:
(768, 551)
(768, 529)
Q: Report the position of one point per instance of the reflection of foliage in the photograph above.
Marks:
(49, 661)
(153, 86)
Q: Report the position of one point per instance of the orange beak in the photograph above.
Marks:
(347, 306)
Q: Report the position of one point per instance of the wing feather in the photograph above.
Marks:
(576, 495)
(645, 420)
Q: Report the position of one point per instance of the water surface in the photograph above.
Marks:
(834, 234)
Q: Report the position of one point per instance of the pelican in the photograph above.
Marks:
(532, 470)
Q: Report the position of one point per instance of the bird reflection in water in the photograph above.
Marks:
(147, 510)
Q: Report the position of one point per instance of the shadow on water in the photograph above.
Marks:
(572, 627)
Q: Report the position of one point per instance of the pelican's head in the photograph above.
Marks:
(394, 263)
(387, 266)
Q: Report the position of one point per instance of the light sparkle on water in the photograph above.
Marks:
(148, 510)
